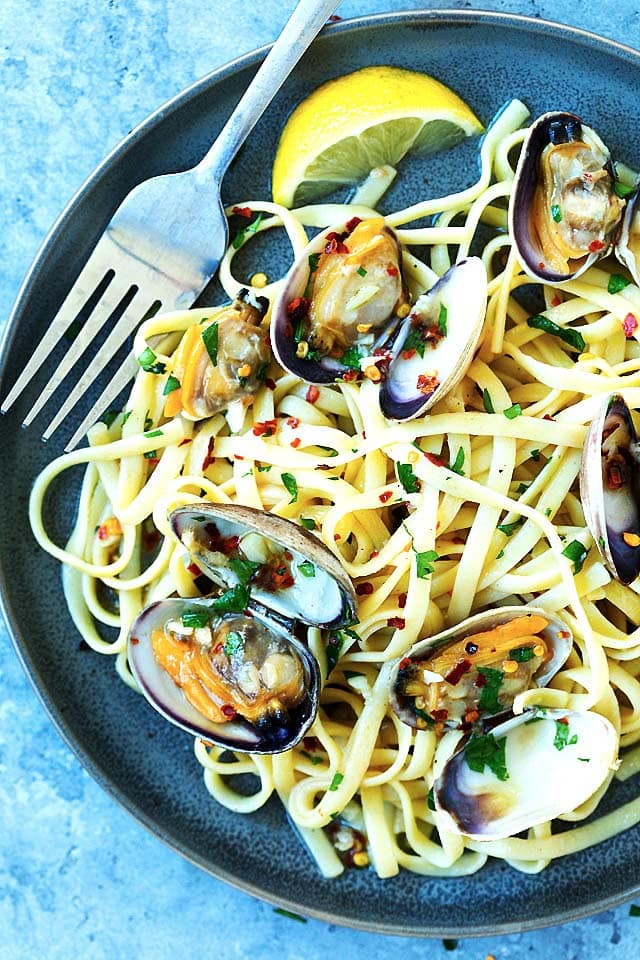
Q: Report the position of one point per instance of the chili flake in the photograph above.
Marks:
(458, 671)
(209, 458)
(364, 589)
(228, 711)
(312, 394)
(265, 428)
(386, 496)
(402, 600)
(245, 212)
(427, 383)
(596, 246)
(629, 325)
(392, 271)
(398, 623)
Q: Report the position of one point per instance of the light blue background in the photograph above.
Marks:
(78, 876)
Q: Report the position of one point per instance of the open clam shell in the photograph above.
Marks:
(564, 213)
(628, 245)
(476, 669)
(530, 769)
(249, 669)
(434, 345)
(283, 565)
(610, 487)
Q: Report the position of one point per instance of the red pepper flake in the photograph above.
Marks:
(364, 589)
(237, 456)
(629, 325)
(587, 176)
(462, 666)
(564, 634)
(298, 309)
(353, 223)
(194, 569)
(134, 641)
(270, 384)
(392, 271)
(471, 716)
(311, 743)
(435, 460)
(398, 623)
(564, 720)
(374, 554)
(334, 18)
(335, 245)
(228, 711)
(426, 383)
(293, 422)
(439, 715)
(541, 265)
(265, 428)
(245, 212)
(209, 458)
(219, 647)
(548, 416)
(596, 246)
(404, 663)
(407, 354)
(350, 375)
(556, 301)
(186, 440)
(312, 394)
(386, 496)
(337, 537)
(480, 681)
(295, 443)
(402, 601)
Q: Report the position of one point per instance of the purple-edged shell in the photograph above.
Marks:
(530, 769)
(217, 535)
(444, 677)
(628, 245)
(610, 487)
(251, 670)
(564, 213)
(417, 353)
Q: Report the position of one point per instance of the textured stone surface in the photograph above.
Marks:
(78, 877)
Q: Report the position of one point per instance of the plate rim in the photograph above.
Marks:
(430, 18)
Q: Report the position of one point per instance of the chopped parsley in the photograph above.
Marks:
(430, 801)
(509, 528)
(150, 363)
(535, 455)
(291, 485)
(244, 569)
(415, 342)
(234, 600)
(351, 358)
(151, 455)
(265, 468)
(125, 416)
(481, 752)
(489, 695)
(195, 618)
(337, 780)
(362, 272)
(153, 433)
(573, 337)
(621, 189)
(562, 739)
(314, 760)
(308, 523)
(556, 212)
(458, 463)
(515, 410)
(487, 401)
(210, 340)
(108, 417)
(577, 553)
(407, 478)
(233, 643)
(242, 237)
(307, 569)
(442, 320)
(521, 654)
(617, 283)
(500, 555)
(314, 260)
(424, 562)
(430, 722)
(172, 384)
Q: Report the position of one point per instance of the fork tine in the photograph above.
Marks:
(82, 291)
(125, 373)
(114, 298)
(127, 322)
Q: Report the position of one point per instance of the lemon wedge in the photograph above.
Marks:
(360, 121)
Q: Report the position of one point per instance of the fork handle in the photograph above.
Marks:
(304, 24)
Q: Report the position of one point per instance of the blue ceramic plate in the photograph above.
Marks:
(144, 763)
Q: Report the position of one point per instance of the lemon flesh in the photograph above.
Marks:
(360, 121)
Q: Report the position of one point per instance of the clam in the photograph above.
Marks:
(243, 679)
(222, 360)
(344, 313)
(610, 487)
(283, 565)
(564, 213)
(628, 245)
(476, 669)
(528, 770)
(234, 667)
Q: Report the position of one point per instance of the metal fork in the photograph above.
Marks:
(163, 243)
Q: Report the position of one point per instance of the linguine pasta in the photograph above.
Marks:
(497, 458)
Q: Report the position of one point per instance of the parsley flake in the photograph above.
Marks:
(337, 780)
(291, 485)
(233, 643)
(172, 384)
(513, 411)
(210, 340)
(481, 752)
(150, 363)
(487, 401)
(562, 739)
(408, 479)
(577, 553)
(617, 283)
(307, 569)
(489, 696)
(234, 600)
(195, 618)
(458, 463)
(573, 337)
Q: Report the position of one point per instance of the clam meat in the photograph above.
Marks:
(241, 679)
(528, 770)
(223, 359)
(477, 668)
(610, 487)
(564, 211)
